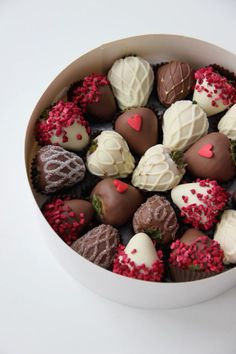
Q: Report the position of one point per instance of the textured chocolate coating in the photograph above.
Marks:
(139, 140)
(219, 166)
(174, 82)
(99, 245)
(55, 168)
(157, 218)
(105, 109)
(115, 208)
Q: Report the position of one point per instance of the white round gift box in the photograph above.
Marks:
(154, 48)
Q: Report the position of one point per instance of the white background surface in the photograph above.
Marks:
(42, 309)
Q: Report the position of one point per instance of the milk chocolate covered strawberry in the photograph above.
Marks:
(139, 128)
(174, 82)
(98, 245)
(115, 201)
(68, 217)
(212, 157)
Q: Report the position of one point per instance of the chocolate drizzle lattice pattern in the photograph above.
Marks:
(98, 245)
(60, 168)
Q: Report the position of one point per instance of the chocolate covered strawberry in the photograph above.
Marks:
(200, 202)
(68, 217)
(115, 201)
(213, 157)
(213, 92)
(139, 128)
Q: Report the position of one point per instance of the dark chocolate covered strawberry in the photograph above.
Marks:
(115, 201)
(212, 157)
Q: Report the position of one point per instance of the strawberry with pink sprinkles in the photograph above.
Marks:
(68, 217)
(64, 125)
(202, 255)
(201, 202)
(212, 91)
(139, 259)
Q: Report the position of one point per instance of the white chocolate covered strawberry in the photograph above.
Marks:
(139, 259)
(109, 156)
(200, 202)
(227, 124)
(183, 124)
(226, 235)
(131, 79)
(159, 169)
(212, 91)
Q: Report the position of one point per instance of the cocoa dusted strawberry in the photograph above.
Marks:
(115, 201)
(212, 157)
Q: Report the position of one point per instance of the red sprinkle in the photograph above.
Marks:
(124, 266)
(203, 255)
(61, 116)
(203, 215)
(89, 91)
(63, 220)
(121, 187)
(223, 90)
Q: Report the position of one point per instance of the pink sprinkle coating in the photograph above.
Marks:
(123, 265)
(219, 86)
(203, 255)
(62, 115)
(89, 91)
(63, 220)
(203, 215)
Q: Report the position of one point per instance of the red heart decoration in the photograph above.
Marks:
(121, 187)
(135, 122)
(206, 151)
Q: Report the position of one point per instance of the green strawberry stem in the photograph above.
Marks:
(155, 234)
(93, 147)
(233, 150)
(178, 158)
(97, 204)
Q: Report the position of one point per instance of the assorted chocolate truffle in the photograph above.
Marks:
(184, 123)
(200, 202)
(98, 245)
(213, 92)
(226, 236)
(95, 98)
(195, 256)
(109, 156)
(139, 127)
(63, 125)
(55, 168)
(131, 79)
(212, 157)
(165, 145)
(159, 169)
(68, 217)
(157, 218)
(139, 259)
(115, 201)
(175, 81)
